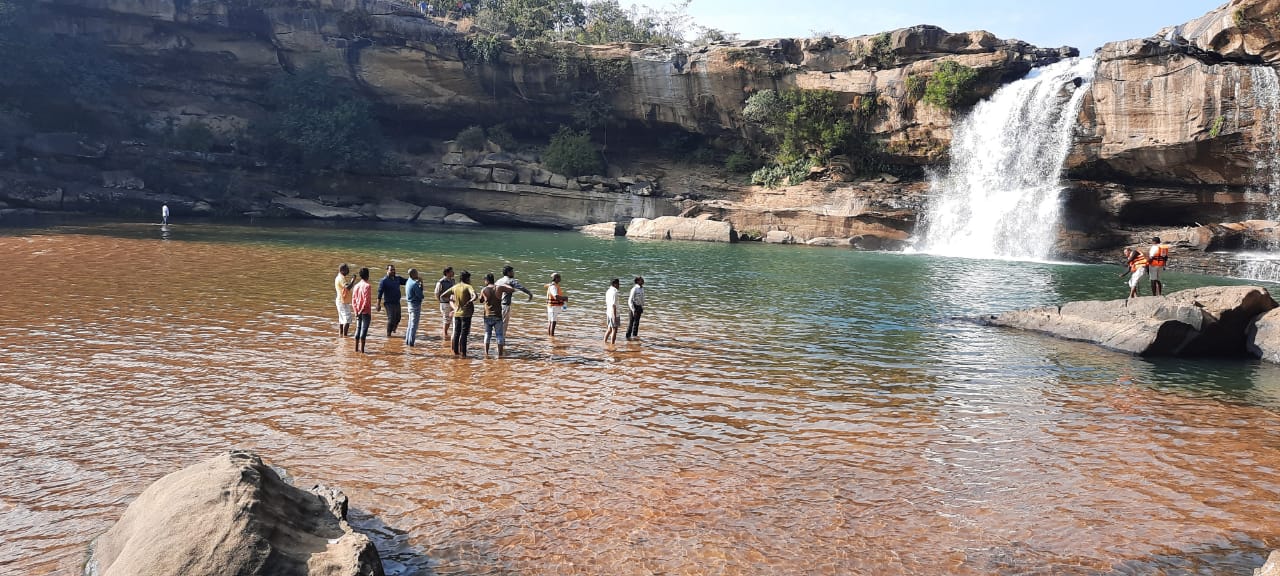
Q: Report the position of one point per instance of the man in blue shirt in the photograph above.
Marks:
(389, 294)
(414, 294)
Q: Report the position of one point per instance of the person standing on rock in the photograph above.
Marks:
(1136, 264)
(557, 302)
(509, 279)
(414, 294)
(463, 299)
(342, 289)
(1157, 258)
(611, 312)
(361, 299)
(389, 295)
(492, 296)
(635, 307)
(443, 292)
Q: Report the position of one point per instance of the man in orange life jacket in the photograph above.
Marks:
(1157, 257)
(1136, 264)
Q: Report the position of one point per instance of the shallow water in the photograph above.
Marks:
(788, 411)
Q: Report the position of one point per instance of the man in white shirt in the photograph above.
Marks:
(611, 311)
(635, 307)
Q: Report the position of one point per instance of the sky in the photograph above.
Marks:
(1083, 24)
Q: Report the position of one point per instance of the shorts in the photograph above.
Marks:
(1155, 272)
(344, 312)
(553, 313)
(611, 321)
(446, 312)
(1136, 276)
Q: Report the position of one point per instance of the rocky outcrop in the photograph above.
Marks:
(604, 229)
(676, 228)
(1272, 567)
(233, 515)
(1264, 337)
(1212, 321)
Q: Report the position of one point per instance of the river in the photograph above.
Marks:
(787, 410)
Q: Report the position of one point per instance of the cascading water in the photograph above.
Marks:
(1263, 265)
(999, 197)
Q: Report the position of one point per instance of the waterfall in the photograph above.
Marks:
(1266, 98)
(999, 197)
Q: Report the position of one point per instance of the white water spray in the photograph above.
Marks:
(1000, 196)
(1263, 265)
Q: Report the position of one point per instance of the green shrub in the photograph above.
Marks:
(741, 162)
(1216, 129)
(319, 123)
(502, 137)
(194, 135)
(915, 85)
(788, 174)
(803, 123)
(572, 154)
(950, 85)
(471, 138)
(882, 50)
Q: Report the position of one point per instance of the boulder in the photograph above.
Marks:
(1211, 321)
(779, 237)
(557, 181)
(313, 209)
(457, 219)
(1264, 339)
(396, 211)
(233, 515)
(605, 229)
(432, 215)
(677, 228)
(504, 175)
(1272, 567)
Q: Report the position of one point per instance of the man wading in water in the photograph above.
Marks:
(557, 302)
(442, 292)
(492, 296)
(342, 287)
(509, 279)
(389, 294)
(362, 300)
(464, 307)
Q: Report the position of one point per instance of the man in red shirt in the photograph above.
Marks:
(362, 303)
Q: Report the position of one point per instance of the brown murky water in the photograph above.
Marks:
(768, 423)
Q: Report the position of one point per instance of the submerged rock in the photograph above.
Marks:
(233, 515)
(313, 209)
(1211, 321)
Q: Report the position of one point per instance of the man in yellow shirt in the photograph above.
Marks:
(342, 286)
(464, 307)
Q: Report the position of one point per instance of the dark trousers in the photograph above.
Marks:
(461, 329)
(393, 316)
(362, 325)
(633, 322)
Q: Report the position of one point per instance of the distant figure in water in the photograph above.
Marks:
(342, 289)
(443, 292)
(1158, 257)
(557, 302)
(635, 307)
(492, 296)
(362, 300)
(463, 300)
(1136, 264)
(389, 295)
(611, 312)
(414, 294)
(164, 214)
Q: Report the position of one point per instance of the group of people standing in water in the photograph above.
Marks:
(458, 299)
(1151, 262)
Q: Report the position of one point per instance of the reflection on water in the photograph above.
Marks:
(788, 411)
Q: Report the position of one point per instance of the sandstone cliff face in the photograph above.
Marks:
(1176, 124)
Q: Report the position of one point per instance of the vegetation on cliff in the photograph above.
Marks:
(805, 128)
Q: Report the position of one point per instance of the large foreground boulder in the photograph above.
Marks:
(1212, 321)
(232, 515)
(677, 228)
(1264, 339)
